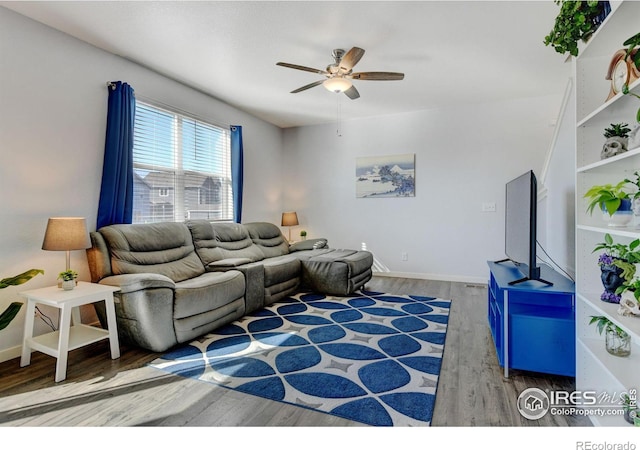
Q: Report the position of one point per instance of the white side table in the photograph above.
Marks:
(72, 334)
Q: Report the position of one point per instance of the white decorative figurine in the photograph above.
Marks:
(628, 305)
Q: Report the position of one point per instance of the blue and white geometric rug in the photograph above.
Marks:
(373, 358)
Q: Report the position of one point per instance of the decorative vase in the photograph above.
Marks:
(67, 285)
(618, 344)
(611, 277)
(621, 217)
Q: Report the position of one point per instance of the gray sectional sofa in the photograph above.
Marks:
(179, 281)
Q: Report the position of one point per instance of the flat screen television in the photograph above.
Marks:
(520, 226)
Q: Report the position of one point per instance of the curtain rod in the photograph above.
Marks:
(112, 85)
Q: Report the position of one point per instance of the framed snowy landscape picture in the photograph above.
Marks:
(386, 176)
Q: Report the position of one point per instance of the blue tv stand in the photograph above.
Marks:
(532, 323)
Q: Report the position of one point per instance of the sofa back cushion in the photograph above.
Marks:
(268, 238)
(165, 248)
(217, 243)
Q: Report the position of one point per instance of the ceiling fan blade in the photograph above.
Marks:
(377, 76)
(352, 93)
(308, 86)
(306, 69)
(351, 58)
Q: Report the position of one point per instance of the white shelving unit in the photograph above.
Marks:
(595, 368)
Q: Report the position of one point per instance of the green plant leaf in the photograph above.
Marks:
(612, 205)
(20, 279)
(7, 316)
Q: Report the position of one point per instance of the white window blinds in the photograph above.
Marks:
(182, 168)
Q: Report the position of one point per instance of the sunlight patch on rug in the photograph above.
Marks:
(373, 358)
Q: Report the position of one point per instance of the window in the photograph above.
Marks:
(182, 168)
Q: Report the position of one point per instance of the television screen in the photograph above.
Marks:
(520, 225)
(518, 217)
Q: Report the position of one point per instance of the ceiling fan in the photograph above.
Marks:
(340, 73)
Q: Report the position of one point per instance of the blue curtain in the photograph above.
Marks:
(237, 170)
(116, 191)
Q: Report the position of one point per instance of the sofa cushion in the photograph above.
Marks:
(268, 238)
(207, 292)
(223, 244)
(280, 269)
(162, 248)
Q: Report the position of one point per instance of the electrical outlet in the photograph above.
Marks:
(489, 207)
(405, 256)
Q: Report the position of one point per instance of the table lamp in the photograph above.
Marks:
(66, 234)
(289, 219)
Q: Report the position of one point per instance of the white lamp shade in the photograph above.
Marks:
(66, 233)
(337, 84)
(289, 219)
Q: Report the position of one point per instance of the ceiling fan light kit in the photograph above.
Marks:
(340, 73)
(337, 84)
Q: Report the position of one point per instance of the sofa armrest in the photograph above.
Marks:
(138, 281)
(309, 244)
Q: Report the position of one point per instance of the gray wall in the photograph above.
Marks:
(53, 106)
(464, 157)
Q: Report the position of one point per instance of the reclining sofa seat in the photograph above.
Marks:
(326, 270)
(179, 281)
(166, 297)
(270, 272)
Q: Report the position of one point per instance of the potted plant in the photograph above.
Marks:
(617, 266)
(614, 200)
(7, 316)
(68, 278)
(618, 341)
(576, 21)
(303, 235)
(632, 43)
(617, 137)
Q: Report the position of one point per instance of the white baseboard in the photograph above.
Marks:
(10, 353)
(432, 276)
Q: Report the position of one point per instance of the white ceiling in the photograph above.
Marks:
(452, 52)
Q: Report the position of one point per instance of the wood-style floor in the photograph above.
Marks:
(99, 391)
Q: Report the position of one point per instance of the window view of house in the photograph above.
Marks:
(182, 168)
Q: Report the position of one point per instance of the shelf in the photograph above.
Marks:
(602, 377)
(79, 336)
(615, 163)
(629, 232)
(629, 324)
(616, 101)
(600, 43)
(615, 366)
(596, 369)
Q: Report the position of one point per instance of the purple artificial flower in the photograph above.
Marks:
(610, 297)
(605, 260)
